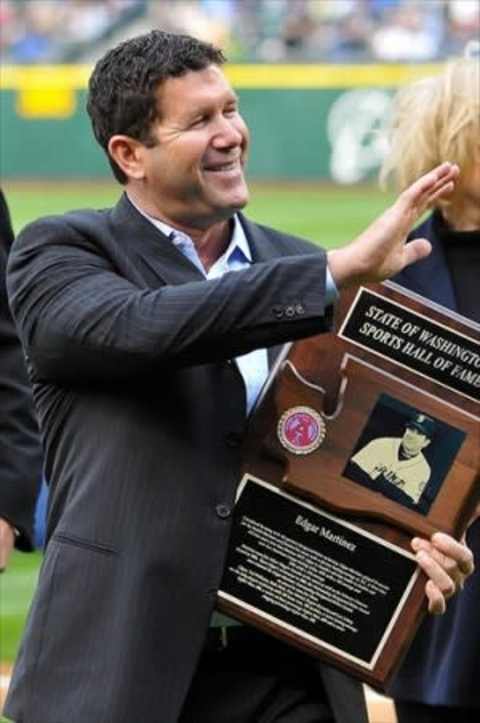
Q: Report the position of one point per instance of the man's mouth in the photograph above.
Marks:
(223, 167)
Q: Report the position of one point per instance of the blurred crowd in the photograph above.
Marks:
(250, 30)
(52, 31)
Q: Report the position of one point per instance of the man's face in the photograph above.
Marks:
(414, 441)
(195, 173)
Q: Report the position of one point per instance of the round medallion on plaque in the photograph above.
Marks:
(301, 430)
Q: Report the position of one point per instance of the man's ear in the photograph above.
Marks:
(128, 155)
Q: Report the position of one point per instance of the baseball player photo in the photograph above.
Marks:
(404, 454)
(400, 461)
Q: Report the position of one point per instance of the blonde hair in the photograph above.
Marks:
(434, 120)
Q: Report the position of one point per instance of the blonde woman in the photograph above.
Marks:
(434, 120)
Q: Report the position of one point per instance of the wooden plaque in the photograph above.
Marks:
(363, 438)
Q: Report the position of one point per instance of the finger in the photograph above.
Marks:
(445, 548)
(456, 550)
(444, 190)
(436, 601)
(5, 550)
(427, 182)
(437, 178)
(444, 179)
(416, 250)
(437, 574)
(449, 565)
(428, 185)
(7, 539)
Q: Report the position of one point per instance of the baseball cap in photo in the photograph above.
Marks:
(424, 424)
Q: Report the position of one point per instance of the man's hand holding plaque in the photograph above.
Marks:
(454, 564)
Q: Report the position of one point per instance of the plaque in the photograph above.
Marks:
(363, 438)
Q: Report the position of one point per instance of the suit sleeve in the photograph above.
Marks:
(80, 319)
(20, 458)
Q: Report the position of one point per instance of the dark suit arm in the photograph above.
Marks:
(20, 456)
(81, 320)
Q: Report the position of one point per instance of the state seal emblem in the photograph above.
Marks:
(301, 430)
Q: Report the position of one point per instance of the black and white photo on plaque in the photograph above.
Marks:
(404, 453)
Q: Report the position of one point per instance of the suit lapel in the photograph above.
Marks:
(261, 244)
(160, 262)
(139, 238)
(148, 249)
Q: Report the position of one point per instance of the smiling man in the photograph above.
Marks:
(149, 331)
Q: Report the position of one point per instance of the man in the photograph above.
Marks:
(20, 460)
(146, 328)
(400, 461)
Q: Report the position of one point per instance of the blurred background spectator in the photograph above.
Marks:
(51, 31)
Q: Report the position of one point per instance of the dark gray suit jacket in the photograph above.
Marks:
(20, 456)
(142, 416)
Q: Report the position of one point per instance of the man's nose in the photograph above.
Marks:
(227, 133)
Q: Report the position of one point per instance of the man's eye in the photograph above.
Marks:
(229, 112)
(198, 122)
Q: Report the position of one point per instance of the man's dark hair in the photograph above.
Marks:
(121, 91)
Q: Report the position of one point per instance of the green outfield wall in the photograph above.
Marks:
(308, 122)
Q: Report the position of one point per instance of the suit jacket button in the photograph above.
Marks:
(223, 511)
(278, 312)
(290, 311)
(300, 309)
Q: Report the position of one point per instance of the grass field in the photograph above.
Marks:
(330, 216)
(16, 589)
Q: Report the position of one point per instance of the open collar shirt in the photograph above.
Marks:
(252, 366)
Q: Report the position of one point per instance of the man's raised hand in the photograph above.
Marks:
(381, 252)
